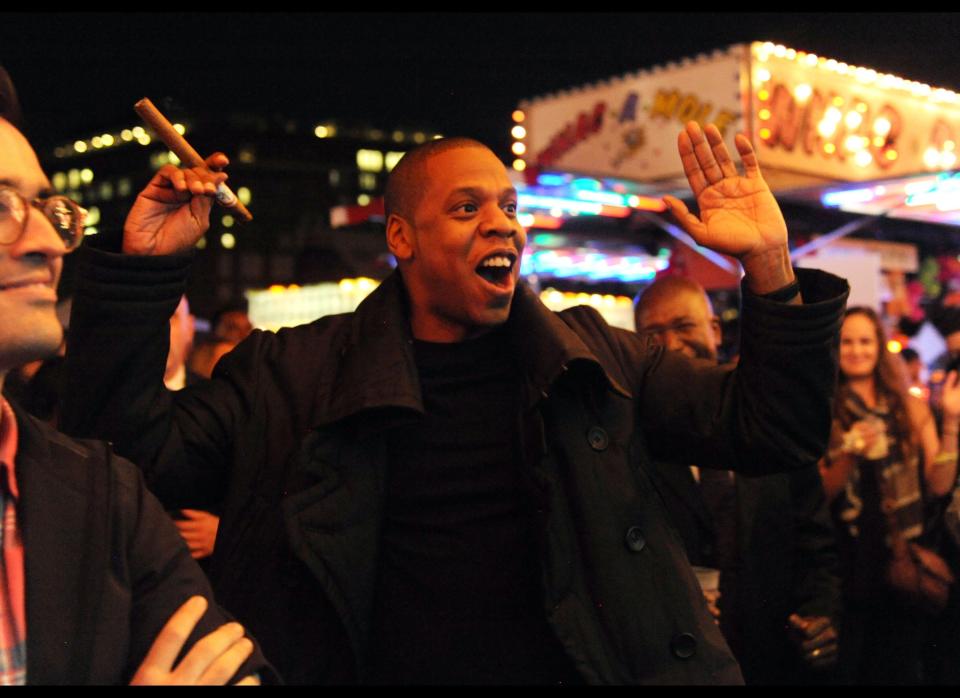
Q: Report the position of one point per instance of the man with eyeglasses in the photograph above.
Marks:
(763, 548)
(95, 585)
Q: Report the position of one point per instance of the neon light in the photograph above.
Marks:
(848, 197)
(552, 180)
(552, 202)
(601, 197)
(591, 265)
(586, 183)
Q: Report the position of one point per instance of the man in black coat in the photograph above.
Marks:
(443, 487)
(770, 538)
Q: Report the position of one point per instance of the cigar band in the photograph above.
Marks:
(225, 196)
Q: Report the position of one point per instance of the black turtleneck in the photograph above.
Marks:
(459, 597)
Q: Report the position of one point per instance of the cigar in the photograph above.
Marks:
(188, 156)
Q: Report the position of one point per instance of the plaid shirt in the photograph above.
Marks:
(13, 621)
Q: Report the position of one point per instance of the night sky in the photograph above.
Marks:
(456, 73)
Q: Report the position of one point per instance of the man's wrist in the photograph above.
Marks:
(769, 271)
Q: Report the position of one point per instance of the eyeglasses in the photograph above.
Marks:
(64, 214)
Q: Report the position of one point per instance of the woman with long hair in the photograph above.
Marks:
(885, 460)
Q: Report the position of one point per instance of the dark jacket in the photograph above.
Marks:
(103, 565)
(784, 560)
(289, 434)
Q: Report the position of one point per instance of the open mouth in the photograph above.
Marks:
(497, 268)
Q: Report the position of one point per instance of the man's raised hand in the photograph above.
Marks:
(738, 214)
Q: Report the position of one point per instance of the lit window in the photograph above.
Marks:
(363, 199)
(391, 160)
(227, 221)
(73, 178)
(398, 136)
(334, 177)
(370, 160)
(124, 187)
(106, 191)
(80, 146)
(228, 241)
(368, 181)
(86, 175)
(243, 193)
(93, 216)
(59, 181)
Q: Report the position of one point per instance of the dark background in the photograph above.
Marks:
(456, 73)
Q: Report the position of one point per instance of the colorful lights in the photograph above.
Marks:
(518, 133)
(587, 264)
(550, 179)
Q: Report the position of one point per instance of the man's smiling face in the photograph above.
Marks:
(29, 266)
(464, 246)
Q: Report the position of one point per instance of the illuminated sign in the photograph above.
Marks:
(806, 114)
(627, 127)
(823, 117)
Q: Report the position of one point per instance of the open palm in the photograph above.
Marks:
(738, 214)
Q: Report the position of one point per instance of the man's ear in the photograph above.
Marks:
(717, 331)
(400, 237)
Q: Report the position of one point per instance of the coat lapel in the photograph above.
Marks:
(58, 546)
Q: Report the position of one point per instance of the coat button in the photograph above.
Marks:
(598, 439)
(634, 539)
(683, 646)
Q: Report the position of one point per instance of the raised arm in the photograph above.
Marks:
(119, 339)
(779, 398)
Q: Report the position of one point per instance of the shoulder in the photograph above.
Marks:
(296, 348)
(590, 326)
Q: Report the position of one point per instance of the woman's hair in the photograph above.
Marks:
(890, 384)
(9, 103)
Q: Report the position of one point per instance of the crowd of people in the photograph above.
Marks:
(453, 484)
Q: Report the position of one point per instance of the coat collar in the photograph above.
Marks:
(377, 368)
